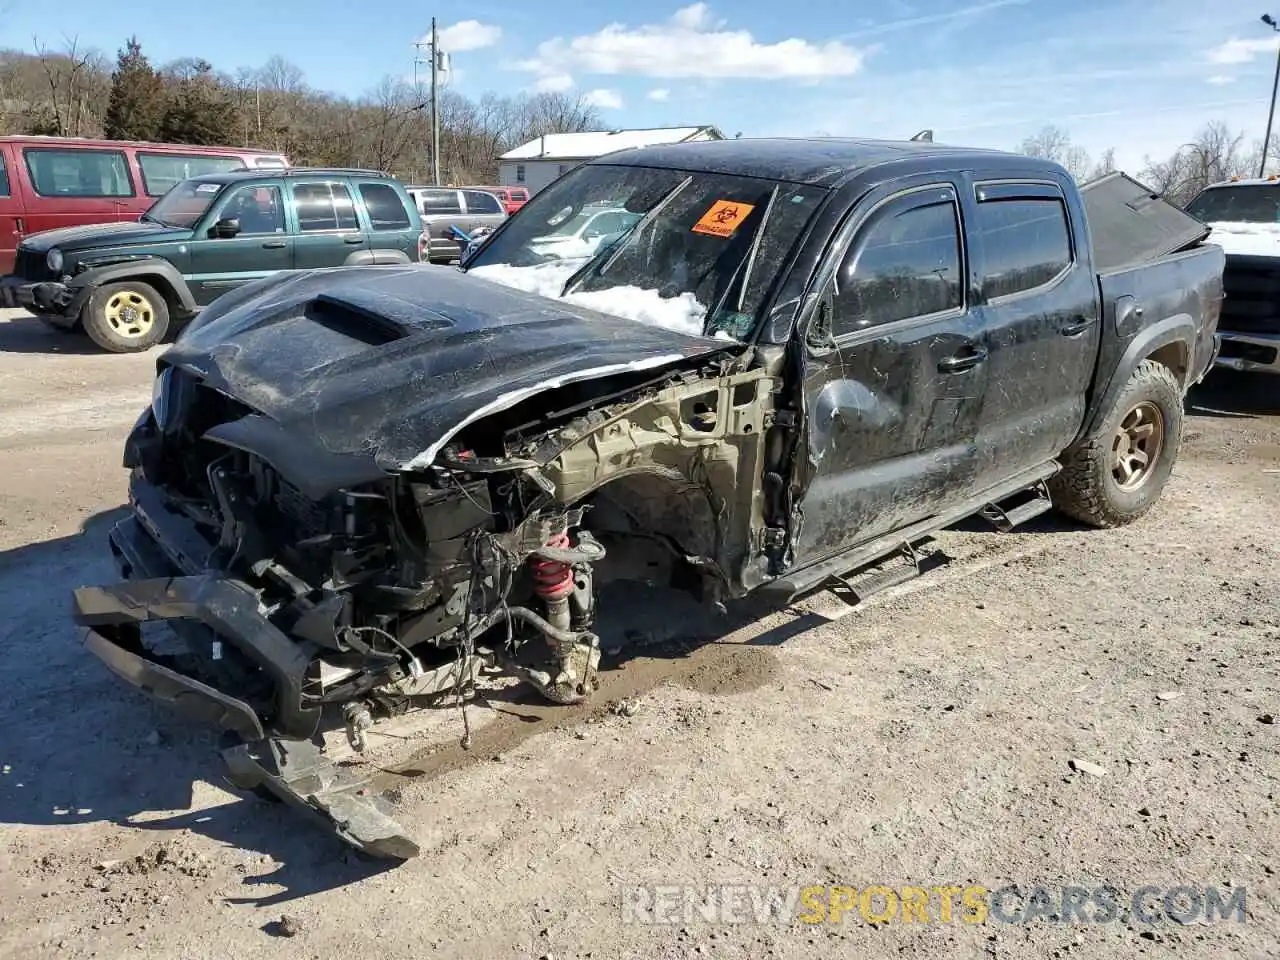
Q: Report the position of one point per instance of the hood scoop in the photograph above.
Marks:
(366, 315)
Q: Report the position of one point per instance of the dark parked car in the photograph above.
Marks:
(125, 283)
(443, 208)
(801, 358)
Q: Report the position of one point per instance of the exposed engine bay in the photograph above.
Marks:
(373, 598)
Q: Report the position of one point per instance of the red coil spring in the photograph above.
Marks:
(552, 579)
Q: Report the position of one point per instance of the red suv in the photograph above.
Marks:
(50, 182)
(513, 198)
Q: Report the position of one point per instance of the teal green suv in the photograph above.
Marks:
(125, 284)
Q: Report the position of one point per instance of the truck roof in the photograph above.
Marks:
(816, 161)
(288, 173)
(1271, 181)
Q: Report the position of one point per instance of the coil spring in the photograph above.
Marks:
(552, 579)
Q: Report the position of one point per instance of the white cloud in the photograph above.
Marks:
(554, 83)
(659, 95)
(603, 99)
(1242, 51)
(690, 44)
(1218, 80)
(467, 35)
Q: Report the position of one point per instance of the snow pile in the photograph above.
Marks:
(683, 314)
(1246, 239)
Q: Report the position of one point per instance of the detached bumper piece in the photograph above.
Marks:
(274, 752)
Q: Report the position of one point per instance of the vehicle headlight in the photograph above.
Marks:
(54, 260)
(160, 397)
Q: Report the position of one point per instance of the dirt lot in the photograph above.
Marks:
(926, 738)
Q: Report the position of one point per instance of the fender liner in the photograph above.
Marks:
(370, 258)
(161, 274)
(1178, 329)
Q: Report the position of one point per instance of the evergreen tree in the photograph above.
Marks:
(137, 102)
(198, 111)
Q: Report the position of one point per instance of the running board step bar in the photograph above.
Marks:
(890, 573)
(1018, 509)
(814, 575)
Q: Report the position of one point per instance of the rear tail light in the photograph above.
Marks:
(424, 243)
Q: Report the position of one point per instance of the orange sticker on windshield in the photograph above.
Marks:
(723, 218)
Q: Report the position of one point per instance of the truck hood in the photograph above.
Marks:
(383, 365)
(1246, 239)
(124, 232)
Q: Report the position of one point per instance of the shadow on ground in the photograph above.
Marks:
(1225, 393)
(81, 746)
(30, 334)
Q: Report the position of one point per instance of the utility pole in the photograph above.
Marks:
(435, 106)
(1271, 113)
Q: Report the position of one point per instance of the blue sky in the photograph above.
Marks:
(1139, 76)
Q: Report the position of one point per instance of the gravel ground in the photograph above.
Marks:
(1054, 707)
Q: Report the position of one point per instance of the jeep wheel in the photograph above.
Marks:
(126, 317)
(1117, 473)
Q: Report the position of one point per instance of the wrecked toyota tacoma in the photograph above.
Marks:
(784, 363)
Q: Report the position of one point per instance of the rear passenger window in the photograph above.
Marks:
(78, 173)
(162, 171)
(480, 202)
(4, 178)
(906, 263)
(386, 209)
(1026, 243)
(324, 206)
(440, 201)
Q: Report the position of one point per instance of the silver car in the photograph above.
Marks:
(443, 208)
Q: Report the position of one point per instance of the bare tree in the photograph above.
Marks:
(1216, 154)
(74, 78)
(1054, 143)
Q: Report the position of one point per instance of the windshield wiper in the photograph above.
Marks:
(605, 257)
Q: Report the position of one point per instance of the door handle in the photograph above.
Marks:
(356, 239)
(967, 359)
(273, 245)
(1077, 326)
(22, 227)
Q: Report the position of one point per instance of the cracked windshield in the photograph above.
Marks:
(692, 252)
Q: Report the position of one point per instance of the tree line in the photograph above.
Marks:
(77, 92)
(1214, 154)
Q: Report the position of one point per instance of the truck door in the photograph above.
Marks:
(894, 373)
(1038, 302)
(12, 222)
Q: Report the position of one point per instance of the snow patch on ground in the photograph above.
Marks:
(684, 313)
(1247, 239)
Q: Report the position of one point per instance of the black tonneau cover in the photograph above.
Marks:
(1130, 224)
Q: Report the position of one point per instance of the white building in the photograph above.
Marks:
(539, 162)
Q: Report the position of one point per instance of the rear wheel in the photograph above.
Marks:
(1117, 473)
(126, 317)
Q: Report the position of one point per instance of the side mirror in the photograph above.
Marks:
(226, 228)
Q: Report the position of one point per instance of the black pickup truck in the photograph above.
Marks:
(355, 487)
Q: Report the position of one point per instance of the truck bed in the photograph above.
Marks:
(1129, 224)
(1182, 290)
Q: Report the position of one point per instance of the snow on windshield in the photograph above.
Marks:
(1246, 239)
(684, 313)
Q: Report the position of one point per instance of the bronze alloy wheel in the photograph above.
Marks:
(1137, 444)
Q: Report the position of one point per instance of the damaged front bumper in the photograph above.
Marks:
(273, 747)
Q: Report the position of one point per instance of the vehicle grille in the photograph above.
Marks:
(1252, 304)
(31, 265)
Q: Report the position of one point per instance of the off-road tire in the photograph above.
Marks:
(126, 317)
(1087, 488)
